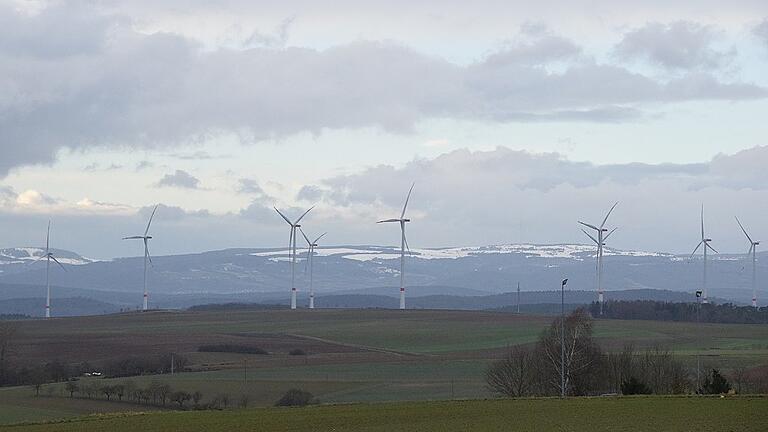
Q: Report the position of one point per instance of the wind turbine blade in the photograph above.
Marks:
(609, 233)
(590, 226)
(309, 243)
(702, 222)
(751, 246)
(711, 248)
(402, 215)
(283, 216)
(388, 220)
(302, 216)
(146, 251)
(318, 239)
(290, 244)
(150, 220)
(57, 262)
(609, 213)
(133, 238)
(743, 230)
(408, 248)
(48, 238)
(697, 248)
(590, 236)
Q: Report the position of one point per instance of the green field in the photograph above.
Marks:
(353, 355)
(579, 414)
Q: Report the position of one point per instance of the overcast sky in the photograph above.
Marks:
(514, 118)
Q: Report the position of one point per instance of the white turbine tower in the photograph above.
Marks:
(310, 253)
(403, 244)
(147, 258)
(600, 242)
(292, 251)
(48, 257)
(752, 250)
(704, 242)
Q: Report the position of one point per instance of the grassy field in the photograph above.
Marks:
(579, 414)
(353, 355)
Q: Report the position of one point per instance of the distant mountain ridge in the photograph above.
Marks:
(264, 274)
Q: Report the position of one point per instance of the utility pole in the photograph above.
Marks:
(245, 370)
(518, 298)
(698, 351)
(172, 361)
(562, 338)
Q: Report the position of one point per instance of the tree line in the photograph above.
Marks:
(665, 311)
(535, 370)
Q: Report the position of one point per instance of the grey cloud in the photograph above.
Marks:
(170, 212)
(180, 179)
(252, 187)
(276, 39)
(162, 90)
(761, 31)
(144, 165)
(535, 45)
(546, 193)
(677, 45)
(95, 166)
(77, 30)
(309, 193)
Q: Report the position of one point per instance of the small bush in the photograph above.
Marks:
(295, 397)
(715, 384)
(633, 386)
(232, 348)
(297, 351)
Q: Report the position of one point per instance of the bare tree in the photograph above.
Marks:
(582, 354)
(196, 398)
(619, 367)
(180, 397)
(514, 375)
(739, 378)
(72, 388)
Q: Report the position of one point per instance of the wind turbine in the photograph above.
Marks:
(310, 253)
(600, 242)
(292, 251)
(403, 244)
(48, 257)
(752, 250)
(705, 242)
(147, 258)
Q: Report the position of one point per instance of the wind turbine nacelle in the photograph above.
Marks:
(756, 243)
(406, 220)
(707, 240)
(148, 237)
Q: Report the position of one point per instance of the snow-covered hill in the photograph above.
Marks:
(27, 255)
(486, 269)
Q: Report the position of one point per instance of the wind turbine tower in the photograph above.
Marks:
(403, 245)
(292, 250)
(752, 250)
(599, 240)
(705, 243)
(147, 257)
(310, 253)
(48, 257)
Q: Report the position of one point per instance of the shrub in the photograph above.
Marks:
(633, 386)
(296, 352)
(295, 397)
(715, 384)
